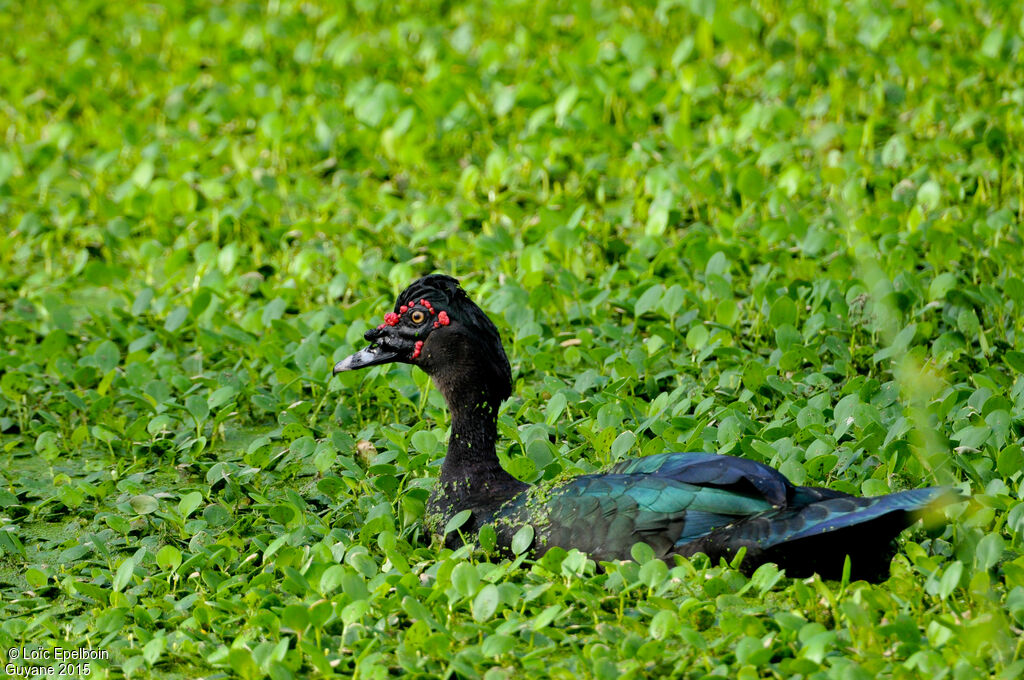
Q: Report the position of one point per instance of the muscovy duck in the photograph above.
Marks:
(678, 503)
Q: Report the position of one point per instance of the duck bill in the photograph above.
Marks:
(374, 355)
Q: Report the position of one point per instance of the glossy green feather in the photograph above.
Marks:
(686, 503)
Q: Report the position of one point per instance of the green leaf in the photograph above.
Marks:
(215, 515)
(941, 285)
(485, 603)
(296, 617)
(1014, 289)
(1014, 360)
(929, 195)
(555, 407)
(7, 167)
(641, 552)
(497, 644)
(649, 301)
(152, 650)
(331, 579)
(750, 183)
(653, 573)
(697, 337)
(622, 444)
(523, 539)
(124, 574)
(221, 396)
(973, 436)
(1010, 460)
(783, 312)
(488, 538)
(457, 520)
(143, 174)
(950, 579)
(168, 558)
(189, 502)
(990, 549)
(176, 318)
(546, 617)
(200, 302)
(35, 578)
(144, 504)
(465, 578)
(425, 441)
(107, 356)
(967, 322)
(198, 407)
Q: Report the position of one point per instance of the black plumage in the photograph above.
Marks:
(678, 503)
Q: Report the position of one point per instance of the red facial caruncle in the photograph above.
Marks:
(393, 319)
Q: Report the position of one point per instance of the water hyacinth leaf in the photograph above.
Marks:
(950, 579)
(424, 441)
(523, 539)
(485, 603)
(497, 644)
(168, 557)
(653, 573)
(989, 550)
(331, 579)
(107, 356)
(488, 538)
(465, 578)
(144, 504)
(546, 617)
(1015, 360)
(783, 312)
(664, 624)
(124, 574)
(198, 407)
(556, 405)
(697, 337)
(153, 649)
(36, 578)
(189, 502)
(750, 183)
(941, 285)
(649, 300)
(1010, 460)
(221, 396)
(295, 617)
(176, 318)
(457, 520)
(622, 444)
(200, 302)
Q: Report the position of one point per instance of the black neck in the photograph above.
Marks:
(472, 462)
(474, 383)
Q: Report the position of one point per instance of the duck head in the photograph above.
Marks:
(436, 327)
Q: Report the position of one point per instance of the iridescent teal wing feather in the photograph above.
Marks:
(686, 503)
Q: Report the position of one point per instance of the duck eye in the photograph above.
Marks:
(417, 316)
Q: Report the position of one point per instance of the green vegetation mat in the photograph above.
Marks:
(787, 231)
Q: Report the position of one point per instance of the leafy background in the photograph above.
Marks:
(787, 231)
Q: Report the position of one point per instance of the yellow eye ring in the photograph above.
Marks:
(417, 316)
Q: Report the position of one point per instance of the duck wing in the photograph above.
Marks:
(685, 503)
